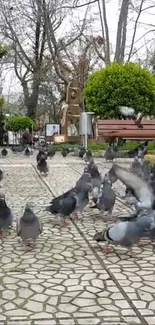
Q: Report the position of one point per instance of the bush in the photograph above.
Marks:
(20, 123)
(120, 85)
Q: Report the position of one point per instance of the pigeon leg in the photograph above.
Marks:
(153, 243)
(132, 253)
(107, 249)
(3, 234)
(64, 223)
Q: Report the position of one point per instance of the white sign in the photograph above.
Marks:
(52, 129)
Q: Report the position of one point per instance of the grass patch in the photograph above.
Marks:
(95, 147)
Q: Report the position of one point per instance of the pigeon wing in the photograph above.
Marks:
(142, 191)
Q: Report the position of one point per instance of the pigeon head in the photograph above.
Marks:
(100, 236)
(29, 206)
(94, 171)
(111, 176)
(2, 196)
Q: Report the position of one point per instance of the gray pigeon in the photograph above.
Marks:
(6, 217)
(110, 154)
(1, 175)
(126, 233)
(4, 152)
(144, 197)
(145, 170)
(63, 207)
(42, 166)
(96, 181)
(28, 152)
(82, 198)
(106, 198)
(84, 179)
(136, 167)
(88, 155)
(29, 226)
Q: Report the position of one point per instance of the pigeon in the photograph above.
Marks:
(29, 226)
(1, 175)
(4, 152)
(51, 153)
(16, 149)
(42, 166)
(132, 153)
(96, 181)
(88, 155)
(126, 233)
(126, 111)
(83, 180)
(145, 170)
(106, 198)
(82, 197)
(136, 167)
(109, 154)
(41, 153)
(64, 152)
(143, 150)
(144, 197)
(82, 151)
(28, 152)
(6, 217)
(63, 207)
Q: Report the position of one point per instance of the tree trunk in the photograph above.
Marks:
(122, 31)
(31, 100)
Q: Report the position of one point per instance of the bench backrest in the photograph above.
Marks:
(126, 129)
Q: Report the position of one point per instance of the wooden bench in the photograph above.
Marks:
(126, 129)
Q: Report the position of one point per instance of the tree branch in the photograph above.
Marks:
(107, 40)
(135, 30)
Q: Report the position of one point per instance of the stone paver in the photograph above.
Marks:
(67, 279)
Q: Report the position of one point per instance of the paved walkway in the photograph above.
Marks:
(67, 279)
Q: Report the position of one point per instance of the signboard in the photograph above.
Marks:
(52, 129)
(60, 138)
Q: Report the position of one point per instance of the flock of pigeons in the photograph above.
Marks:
(92, 186)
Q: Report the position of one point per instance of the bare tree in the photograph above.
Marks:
(129, 16)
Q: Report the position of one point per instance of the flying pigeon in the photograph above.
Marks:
(144, 197)
(29, 226)
(42, 166)
(6, 217)
(126, 233)
(4, 152)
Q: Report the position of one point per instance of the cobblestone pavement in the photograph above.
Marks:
(67, 279)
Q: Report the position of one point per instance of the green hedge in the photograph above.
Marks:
(101, 147)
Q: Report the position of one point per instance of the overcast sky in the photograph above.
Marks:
(11, 84)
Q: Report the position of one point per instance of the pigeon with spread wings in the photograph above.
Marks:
(144, 197)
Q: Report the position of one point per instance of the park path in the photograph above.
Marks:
(67, 279)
